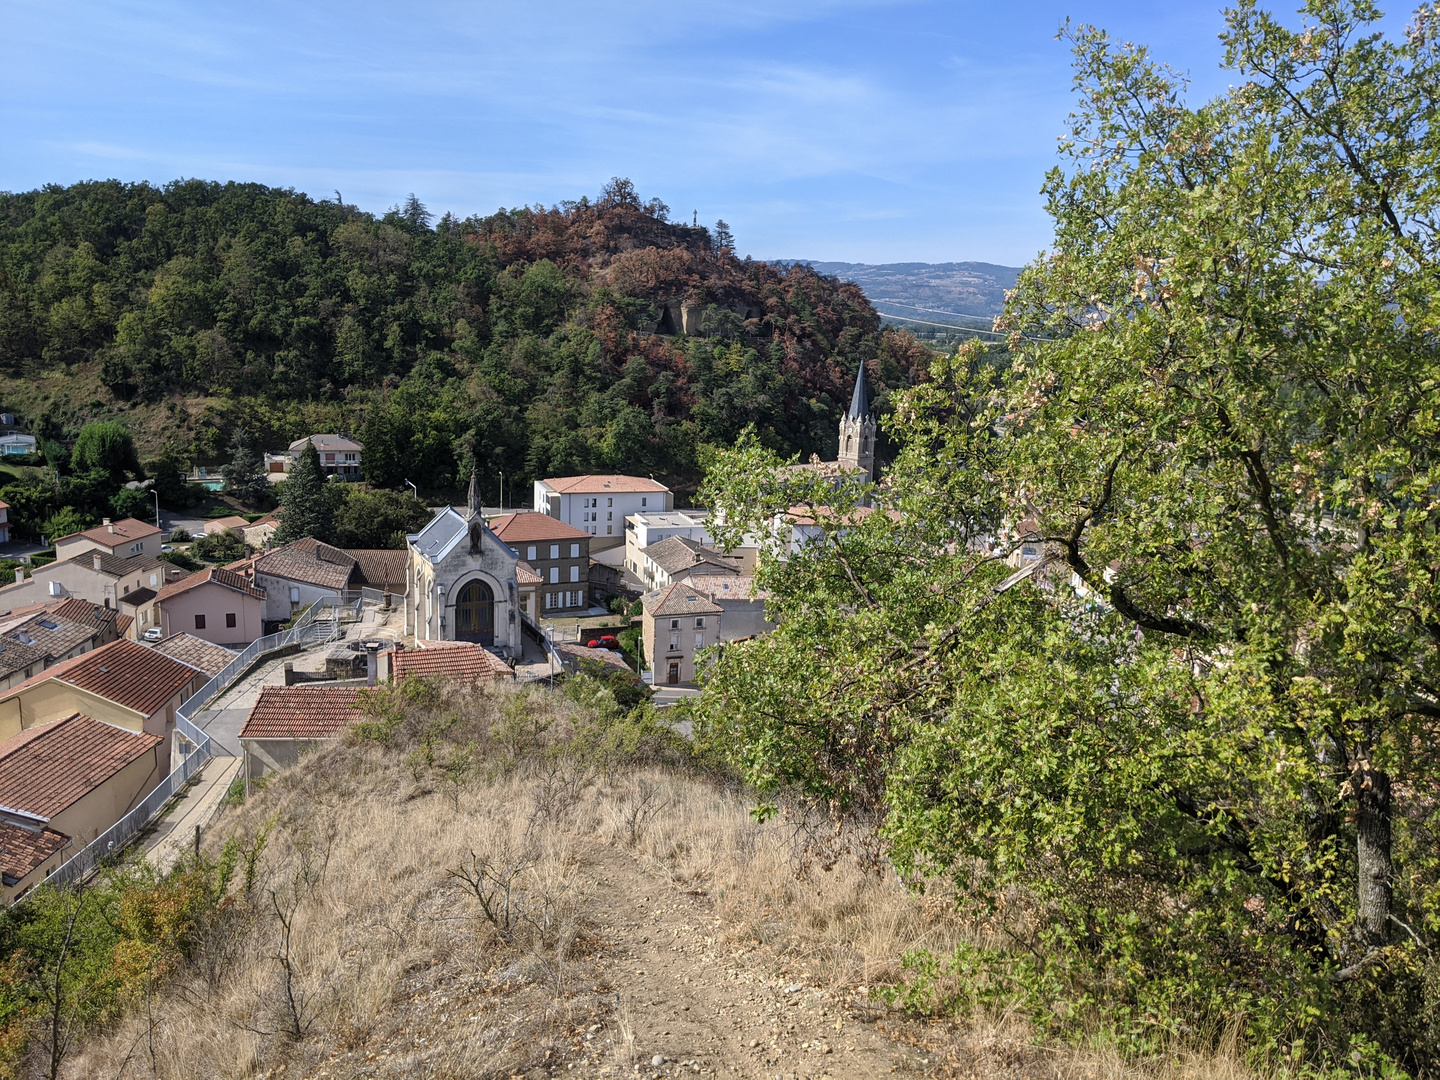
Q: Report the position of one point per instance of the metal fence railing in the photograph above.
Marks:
(118, 835)
(321, 622)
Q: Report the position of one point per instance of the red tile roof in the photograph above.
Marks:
(221, 524)
(123, 671)
(522, 528)
(197, 652)
(598, 485)
(22, 850)
(301, 712)
(450, 660)
(525, 574)
(124, 531)
(378, 567)
(45, 769)
(216, 575)
(310, 561)
(681, 598)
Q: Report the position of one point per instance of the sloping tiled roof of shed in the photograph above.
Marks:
(302, 712)
(22, 850)
(457, 660)
(309, 561)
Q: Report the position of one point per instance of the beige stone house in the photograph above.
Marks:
(123, 684)
(94, 575)
(679, 622)
(62, 784)
(215, 604)
(124, 538)
(37, 637)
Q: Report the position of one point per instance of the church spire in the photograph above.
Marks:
(474, 493)
(859, 400)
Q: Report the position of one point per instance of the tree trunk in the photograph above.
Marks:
(1372, 842)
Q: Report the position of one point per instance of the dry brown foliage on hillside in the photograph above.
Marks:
(452, 897)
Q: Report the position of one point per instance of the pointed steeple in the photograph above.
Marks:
(474, 493)
(859, 400)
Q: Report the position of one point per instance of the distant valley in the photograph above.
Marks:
(924, 296)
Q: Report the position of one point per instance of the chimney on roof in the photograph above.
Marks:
(106, 523)
(95, 559)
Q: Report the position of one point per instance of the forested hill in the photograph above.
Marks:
(527, 338)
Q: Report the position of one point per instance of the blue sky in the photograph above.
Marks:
(855, 131)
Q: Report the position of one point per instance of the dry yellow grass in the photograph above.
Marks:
(359, 948)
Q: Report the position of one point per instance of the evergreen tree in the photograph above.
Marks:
(723, 241)
(245, 475)
(305, 507)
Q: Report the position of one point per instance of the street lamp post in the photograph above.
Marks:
(157, 506)
(414, 489)
(502, 491)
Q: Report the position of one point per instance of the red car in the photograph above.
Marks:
(606, 641)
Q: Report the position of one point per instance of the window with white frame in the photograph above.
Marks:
(609, 502)
(699, 641)
(530, 552)
(700, 623)
(674, 624)
(674, 642)
(554, 551)
(574, 573)
(554, 575)
(574, 551)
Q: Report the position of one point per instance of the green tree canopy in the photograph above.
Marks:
(245, 472)
(366, 518)
(106, 445)
(305, 504)
(1185, 753)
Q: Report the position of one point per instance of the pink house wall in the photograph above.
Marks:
(177, 615)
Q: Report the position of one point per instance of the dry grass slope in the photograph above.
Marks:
(492, 893)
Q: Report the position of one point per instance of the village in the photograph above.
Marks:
(135, 695)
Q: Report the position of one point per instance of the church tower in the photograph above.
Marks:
(857, 432)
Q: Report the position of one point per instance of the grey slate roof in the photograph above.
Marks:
(677, 553)
(859, 400)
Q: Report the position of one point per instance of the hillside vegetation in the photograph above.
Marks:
(521, 342)
(494, 883)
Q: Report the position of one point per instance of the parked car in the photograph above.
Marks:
(153, 634)
(604, 641)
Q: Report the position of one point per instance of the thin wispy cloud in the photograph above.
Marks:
(909, 129)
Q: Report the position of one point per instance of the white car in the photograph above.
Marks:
(153, 634)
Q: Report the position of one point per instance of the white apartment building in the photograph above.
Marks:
(643, 530)
(599, 505)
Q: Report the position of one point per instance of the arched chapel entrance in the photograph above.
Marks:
(475, 614)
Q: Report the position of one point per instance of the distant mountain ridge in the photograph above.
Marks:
(939, 294)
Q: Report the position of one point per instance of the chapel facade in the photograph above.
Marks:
(461, 581)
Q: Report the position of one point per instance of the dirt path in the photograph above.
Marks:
(688, 1004)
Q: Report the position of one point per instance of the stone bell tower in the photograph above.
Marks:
(857, 432)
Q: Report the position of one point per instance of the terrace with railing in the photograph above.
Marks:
(322, 622)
